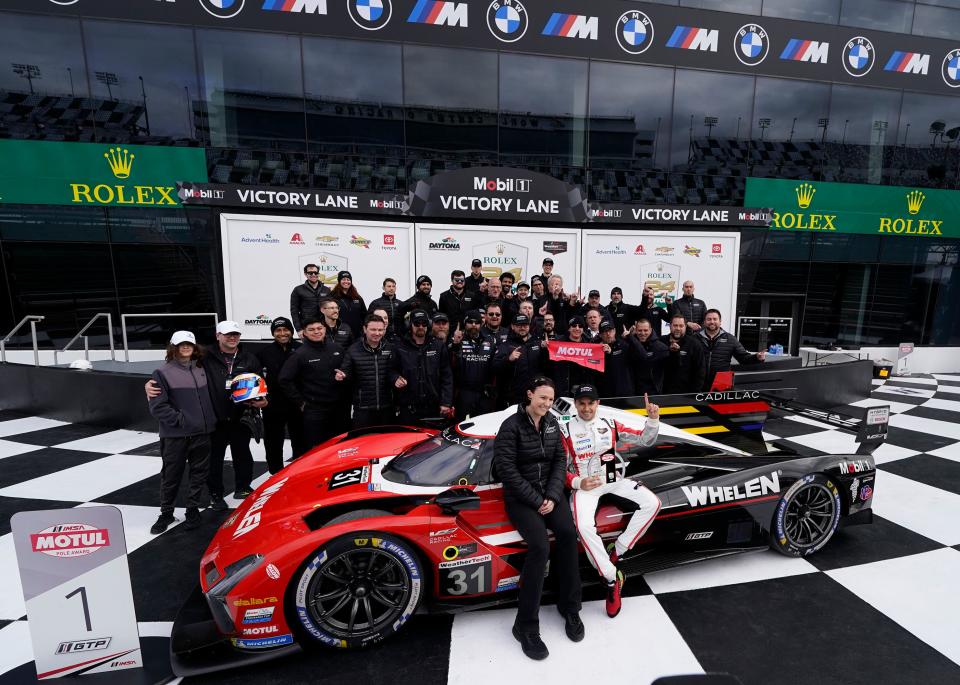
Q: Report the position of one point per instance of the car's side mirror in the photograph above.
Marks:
(455, 500)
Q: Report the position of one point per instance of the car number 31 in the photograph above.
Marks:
(465, 576)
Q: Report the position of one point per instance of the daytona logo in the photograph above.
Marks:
(70, 540)
(701, 495)
(252, 518)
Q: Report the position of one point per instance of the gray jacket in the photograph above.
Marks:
(183, 407)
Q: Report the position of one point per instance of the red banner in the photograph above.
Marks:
(589, 355)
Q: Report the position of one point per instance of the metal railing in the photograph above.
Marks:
(124, 317)
(86, 341)
(33, 319)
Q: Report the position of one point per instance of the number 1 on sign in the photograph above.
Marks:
(86, 607)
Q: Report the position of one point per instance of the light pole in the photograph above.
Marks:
(70, 74)
(764, 125)
(793, 127)
(710, 122)
(823, 123)
(27, 71)
(146, 114)
(107, 78)
(843, 138)
(880, 127)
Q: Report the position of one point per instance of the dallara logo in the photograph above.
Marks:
(120, 161)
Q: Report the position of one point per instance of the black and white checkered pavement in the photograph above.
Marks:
(877, 605)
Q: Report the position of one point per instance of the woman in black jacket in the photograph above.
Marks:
(352, 308)
(530, 460)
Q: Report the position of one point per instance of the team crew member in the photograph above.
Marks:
(593, 302)
(440, 328)
(421, 374)
(475, 282)
(650, 354)
(657, 316)
(305, 298)
(493, 327)
(473, 369)
(595, 469)
(692, 308)
(561, 305)
(530, 459)
(621, 313)
(337, 331)
(518, 361)
(686, 366)
(352, 308)
(281, 415)
(549, 327)
(310, 380)
(619, 359)
(366, 366)
(420, 299)
(186, 417)
(547, 271)
(457, 300)
(510, 302)
(494, 295)
(593, 317)
(721, 346)
(389, 303)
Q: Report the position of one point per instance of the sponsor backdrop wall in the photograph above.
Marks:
(264, 256)
(632, 259)
(441, 248)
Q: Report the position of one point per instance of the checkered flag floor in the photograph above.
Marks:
(878, 605)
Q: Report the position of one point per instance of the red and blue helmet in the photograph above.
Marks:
(247, 386)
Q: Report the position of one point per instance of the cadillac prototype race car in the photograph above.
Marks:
(347, 543)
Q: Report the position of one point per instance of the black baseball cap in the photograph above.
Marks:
(419, 316)
(536, 279)
(594, 293)
(476, 262)
(586, 391)
(548, 260)
(440, 316)
(523, 284)
(577, 321)
(424, 279)
(606, 325)
(521, 320)
(473, 315)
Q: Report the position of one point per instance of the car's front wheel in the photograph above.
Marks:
(806, 516)
(356, 590)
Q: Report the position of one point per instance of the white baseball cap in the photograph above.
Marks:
(225, 327)
(183, 337)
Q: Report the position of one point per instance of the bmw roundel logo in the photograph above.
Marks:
(634, 32)
(507, 20)
(370, 15)
(751, 44)
(222, 9)
(951, 68)
(858, 56)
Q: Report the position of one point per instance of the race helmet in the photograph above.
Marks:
(247, 386)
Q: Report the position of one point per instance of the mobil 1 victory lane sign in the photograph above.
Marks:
(76, 585)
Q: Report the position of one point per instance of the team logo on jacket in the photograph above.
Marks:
(222, 9)
(751, 44)
(507, 20)
(951, 68)
(370, 15)
(858, 56)
(634, 32)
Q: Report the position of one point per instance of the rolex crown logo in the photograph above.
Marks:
(120, 161)
(501, 248)
(914, 201)
(323, 259)
(805, 193)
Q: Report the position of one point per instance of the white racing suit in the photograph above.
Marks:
(591, 451)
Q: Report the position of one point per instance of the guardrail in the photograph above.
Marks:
(86, 341)
(124, 317)
(33, 319)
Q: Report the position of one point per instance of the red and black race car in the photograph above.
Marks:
(344, 545)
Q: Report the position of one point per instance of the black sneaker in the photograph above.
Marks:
(531, 644)
(242, 493)
(217, 503)
(192, 521)
(163, 522)
(574, 626)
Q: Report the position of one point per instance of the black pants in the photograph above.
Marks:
(176, 453)
(473, 403)
(364, 418)
(276, 423)
(564, 567)
(237, 436)
(320, 423)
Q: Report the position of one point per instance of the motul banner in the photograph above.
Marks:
(589, 355)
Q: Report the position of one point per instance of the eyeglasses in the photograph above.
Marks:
(459, 280)
(313, 273)
(574, 325)
(419, 324)
(493, 316)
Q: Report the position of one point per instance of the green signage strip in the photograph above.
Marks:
(53, 173)
(856, 208)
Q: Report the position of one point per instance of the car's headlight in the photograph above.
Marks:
(217, 595)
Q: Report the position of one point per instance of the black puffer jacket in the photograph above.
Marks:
(342, 334)
(419, 301)
(426, 368)
(352, 311)
(391, 305)
(693, 309)
(273, 357)
(616, 379)
(529, 462)
(305, 303)
(309, 376)
(651, 358)
(455, 306)
(368, 373)
(686, 368)
(215, 365)
(513, 376)
(720, 349)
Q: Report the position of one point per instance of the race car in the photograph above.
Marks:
(345, 544)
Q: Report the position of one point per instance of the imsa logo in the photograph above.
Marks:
(370, 15)
(507, 20)
(858, 56)
(951, 68)
(634, 32)
(751, 44)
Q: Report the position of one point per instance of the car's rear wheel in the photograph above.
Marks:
(806, 516)
(357, 590)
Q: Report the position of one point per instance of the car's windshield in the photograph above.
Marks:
(446, 459)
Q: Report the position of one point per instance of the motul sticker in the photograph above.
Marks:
(70, 540)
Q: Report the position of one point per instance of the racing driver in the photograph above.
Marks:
(594, 470)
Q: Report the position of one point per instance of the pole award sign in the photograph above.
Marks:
(76, 585)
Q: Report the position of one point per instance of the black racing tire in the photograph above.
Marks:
(355, 591)
(806, 516)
